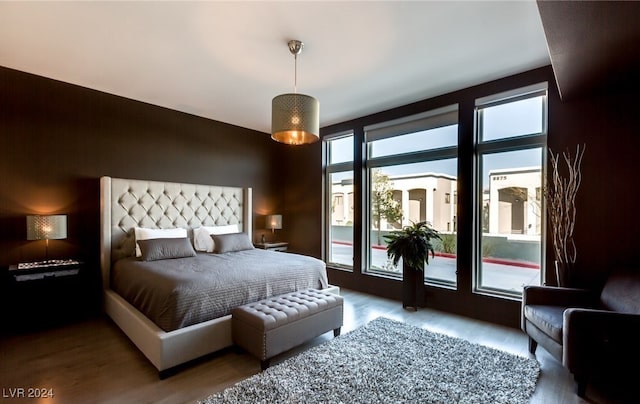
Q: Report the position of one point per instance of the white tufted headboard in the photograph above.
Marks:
(128, 203)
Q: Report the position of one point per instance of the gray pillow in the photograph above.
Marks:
(223, 243)
(164, 248)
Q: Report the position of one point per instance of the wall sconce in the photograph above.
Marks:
(274, 222)
(47, 227)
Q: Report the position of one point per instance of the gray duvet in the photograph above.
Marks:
(176, 293)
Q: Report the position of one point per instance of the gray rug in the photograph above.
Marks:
(387, 361)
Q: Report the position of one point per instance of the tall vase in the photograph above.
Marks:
(563, 274)
(412, 288)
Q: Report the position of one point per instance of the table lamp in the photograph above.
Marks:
(46, 227)
(274, 222)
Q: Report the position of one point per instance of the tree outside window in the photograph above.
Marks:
(383, 206)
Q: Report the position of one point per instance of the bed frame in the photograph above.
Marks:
(127, 203)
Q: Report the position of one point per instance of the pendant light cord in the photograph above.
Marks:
(295, 73)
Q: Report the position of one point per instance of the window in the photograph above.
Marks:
(339, 191)
(407, 171)
(511, 133)
(411, 173)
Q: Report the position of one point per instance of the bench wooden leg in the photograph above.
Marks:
(264, 364)
(336, 332)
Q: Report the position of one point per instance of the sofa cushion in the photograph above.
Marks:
(547, 318)
(621, 291)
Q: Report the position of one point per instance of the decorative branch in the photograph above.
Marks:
(561, 197)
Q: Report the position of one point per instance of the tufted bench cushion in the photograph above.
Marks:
(271, 326)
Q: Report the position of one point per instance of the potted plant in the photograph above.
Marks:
(412, 244)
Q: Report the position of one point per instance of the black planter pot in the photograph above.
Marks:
(412, 288)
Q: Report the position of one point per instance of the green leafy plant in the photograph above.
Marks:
(488, 247)
(448, 243)
(413, 244)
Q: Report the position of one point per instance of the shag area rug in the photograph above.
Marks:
(387, 361)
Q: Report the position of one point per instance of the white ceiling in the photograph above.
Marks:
(227, 60)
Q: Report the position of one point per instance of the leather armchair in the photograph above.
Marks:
(591, 332)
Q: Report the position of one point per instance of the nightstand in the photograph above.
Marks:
(42, 294)
(275, 246)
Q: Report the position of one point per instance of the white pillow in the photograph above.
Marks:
(202, 240)
(143, 233)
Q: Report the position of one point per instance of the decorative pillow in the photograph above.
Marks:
(231, 242)
(202, 235)
(143, 233)
(165, 248)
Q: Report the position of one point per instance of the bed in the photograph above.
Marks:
(127, 204)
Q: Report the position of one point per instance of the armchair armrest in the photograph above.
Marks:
(599, 340)
(555, 296)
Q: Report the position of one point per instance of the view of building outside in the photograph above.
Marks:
(512, 211)
(514, 201)
(511, 219)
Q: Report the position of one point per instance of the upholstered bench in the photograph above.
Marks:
(271, 326)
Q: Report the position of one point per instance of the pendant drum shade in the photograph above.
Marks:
(295, 119)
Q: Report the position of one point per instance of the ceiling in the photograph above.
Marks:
(227, 60)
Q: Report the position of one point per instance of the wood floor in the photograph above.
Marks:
(93, 362)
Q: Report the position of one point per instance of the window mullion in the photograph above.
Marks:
(511, 144)
(437, 154)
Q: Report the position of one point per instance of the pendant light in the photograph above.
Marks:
(295, 118)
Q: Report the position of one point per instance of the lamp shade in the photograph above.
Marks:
(47, 227)
(295, 119)
(274, 222)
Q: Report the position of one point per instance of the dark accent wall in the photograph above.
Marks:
(302, 189)
(58, 139)
(607, 215)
